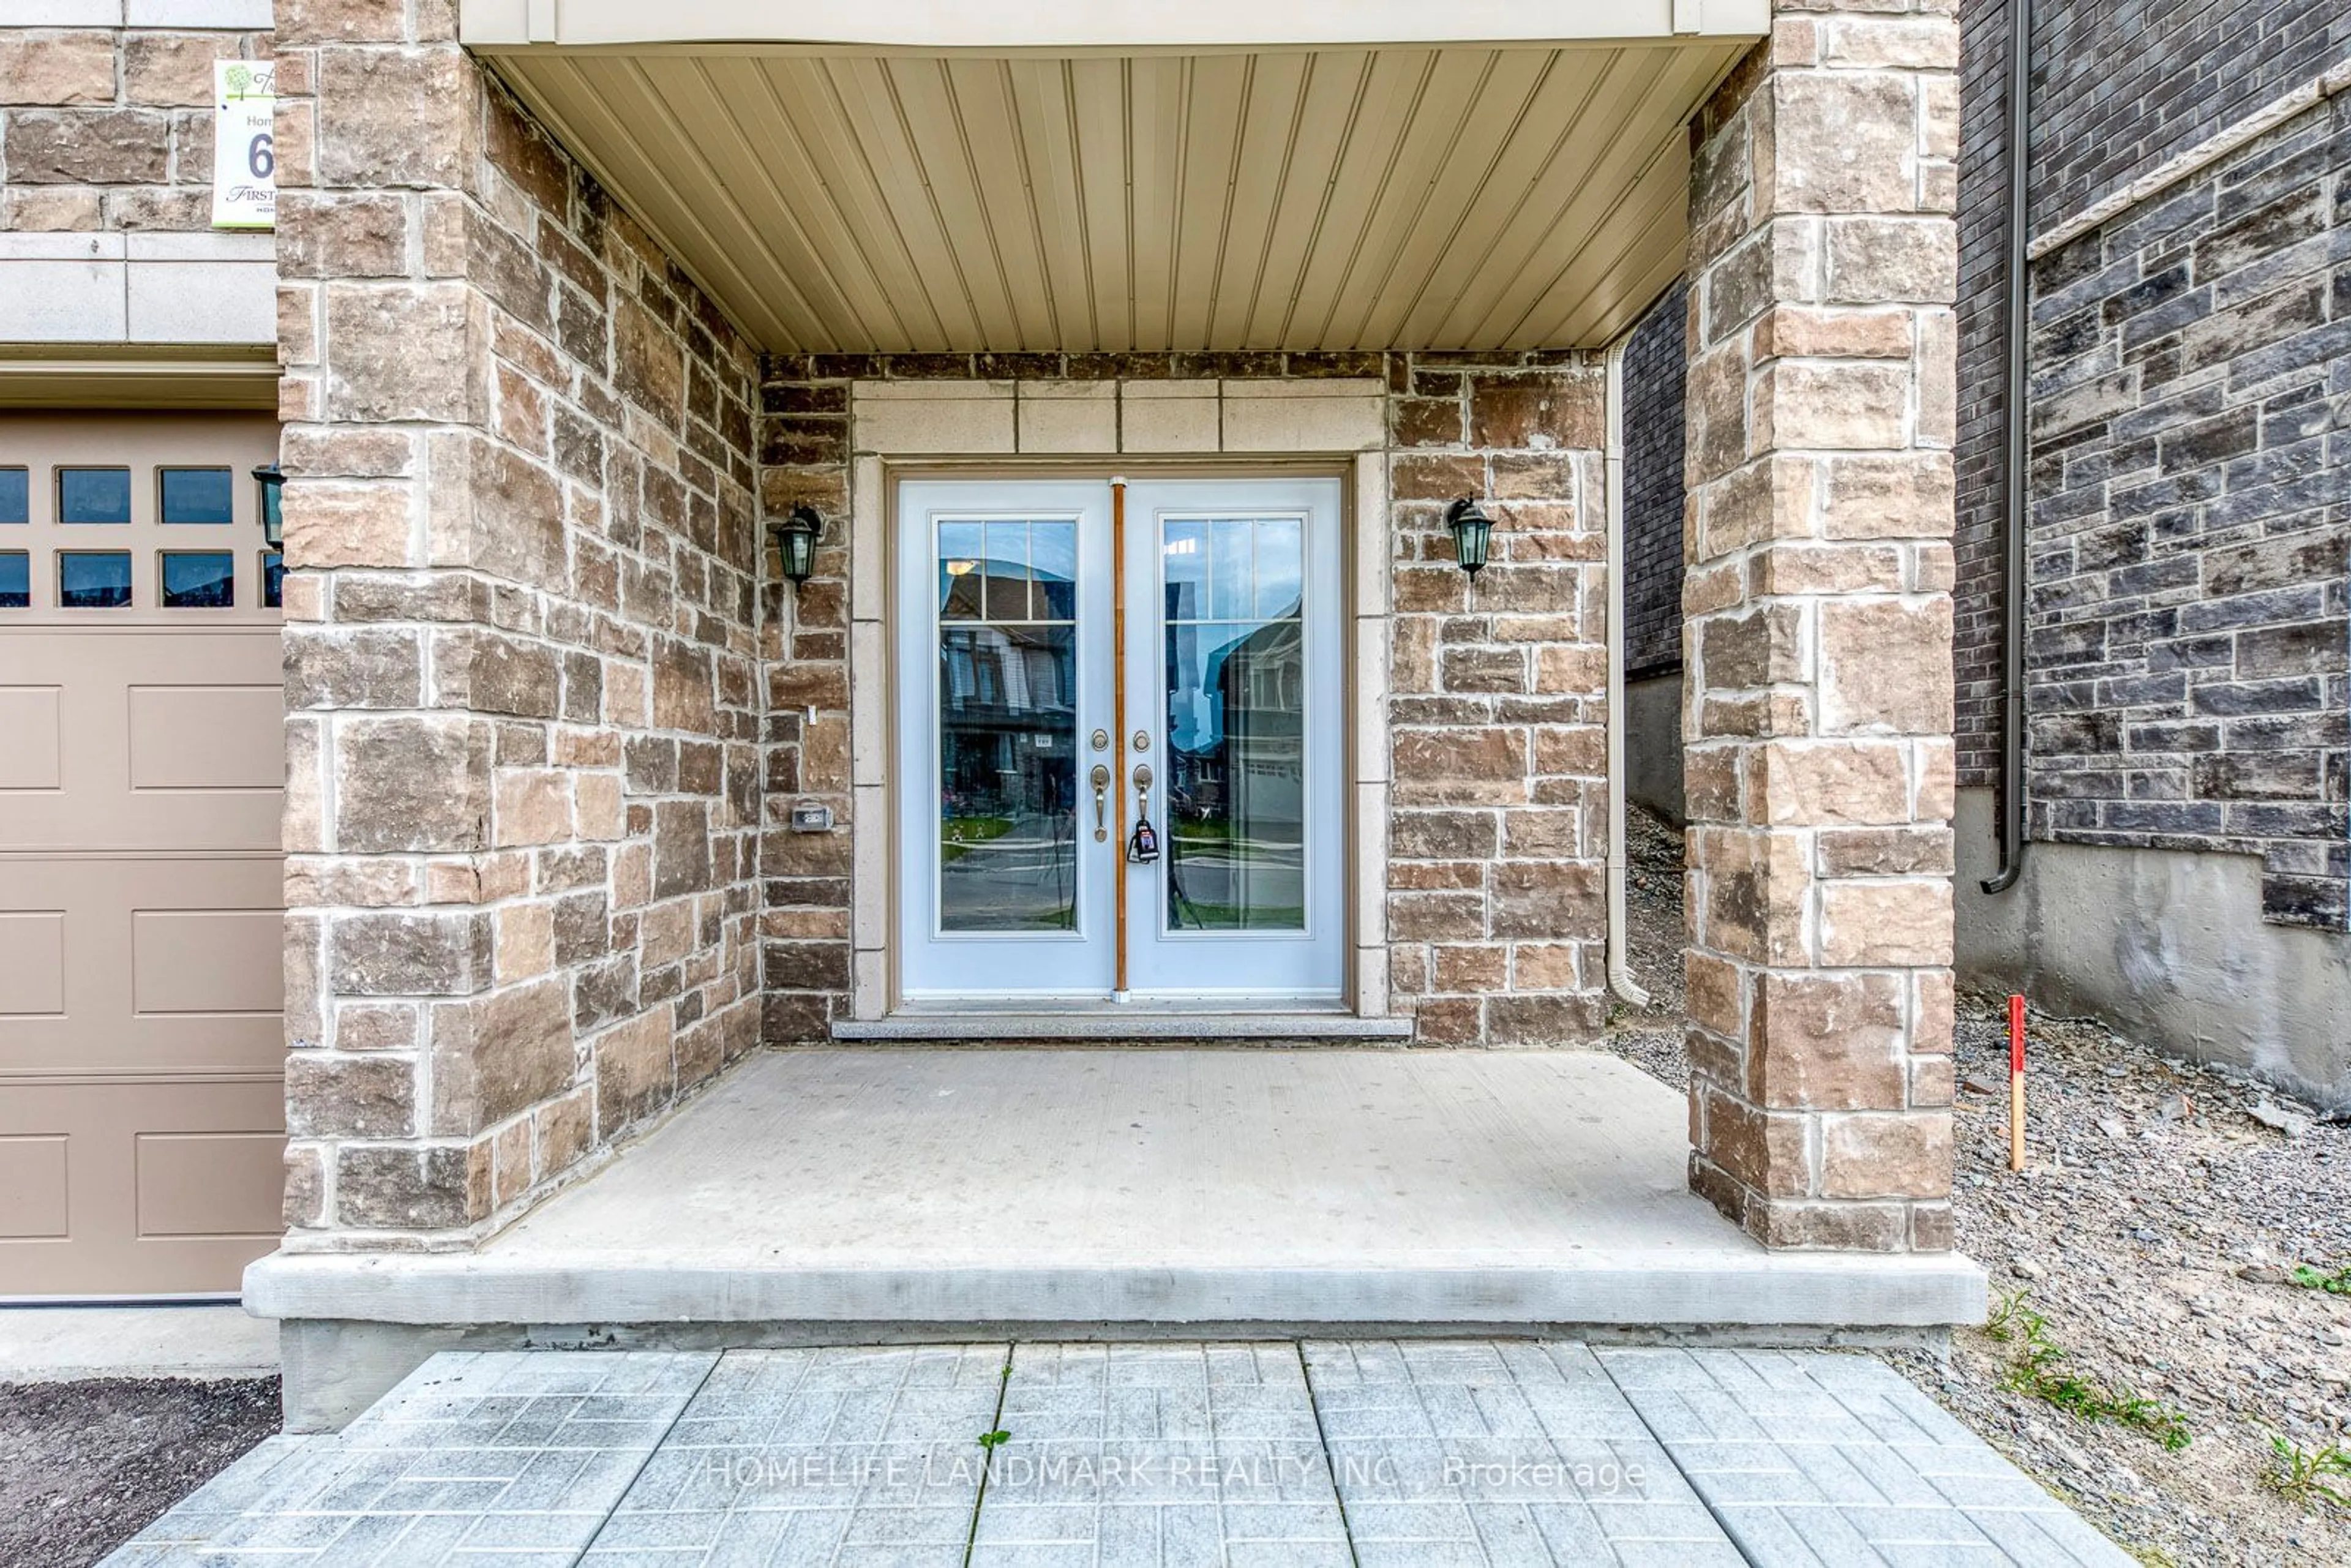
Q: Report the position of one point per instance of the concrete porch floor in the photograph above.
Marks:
(827, 1193)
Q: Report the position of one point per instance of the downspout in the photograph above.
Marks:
(1620, 967)
(2014, 411)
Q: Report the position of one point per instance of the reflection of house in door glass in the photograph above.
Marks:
(1236, 684)
(1007, 726)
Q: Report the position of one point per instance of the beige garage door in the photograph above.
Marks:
(141, 761)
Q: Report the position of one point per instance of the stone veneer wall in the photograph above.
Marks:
(522, 737)
(1817, 646)
(2187, 629)
(1498, 705)
(108, 129)
(1498, 692)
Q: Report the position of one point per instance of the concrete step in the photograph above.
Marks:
(833, 1196)
(1119, 1025)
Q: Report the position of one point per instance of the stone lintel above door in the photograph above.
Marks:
(1076, 418)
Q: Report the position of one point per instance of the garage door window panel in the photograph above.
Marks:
(196, 496)
(93, 495)
(273, 580)
(199, 579)
(15, 495)
(93, 580)
(15, 580)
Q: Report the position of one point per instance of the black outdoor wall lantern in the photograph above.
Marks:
(273, 505)
(1472, 531)
(796, 542)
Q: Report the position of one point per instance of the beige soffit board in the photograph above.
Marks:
(1462, 197)
(1123, 26)
(52, 375)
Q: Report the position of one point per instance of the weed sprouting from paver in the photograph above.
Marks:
(2309, 1475)
(992, 1440)
(2338, 1283)
(2035, 1371)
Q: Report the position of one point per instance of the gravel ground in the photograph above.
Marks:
(86, 1466)
(2153, 1229)
(1651, 1037)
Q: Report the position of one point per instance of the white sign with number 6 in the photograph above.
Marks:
(244, 153)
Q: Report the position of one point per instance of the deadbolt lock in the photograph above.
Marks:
(1101, 740)
(1141, 740)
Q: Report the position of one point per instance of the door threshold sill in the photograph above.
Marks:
(1119, 1024)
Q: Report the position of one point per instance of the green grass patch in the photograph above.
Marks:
(958, 836)
(2038, 1371)
(2309, 1475)
(2338, 1283)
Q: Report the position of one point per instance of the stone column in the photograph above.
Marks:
(1817, 630)
(522, 769)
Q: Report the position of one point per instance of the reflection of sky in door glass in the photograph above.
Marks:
(959, 578)
(1007, 572)
(1006, 557)
(1185, 557)
(1280, 567)
(1230, 569)
(1053, 559)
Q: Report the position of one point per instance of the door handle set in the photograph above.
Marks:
(1143, 845)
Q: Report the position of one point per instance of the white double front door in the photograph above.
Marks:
(1039, 723)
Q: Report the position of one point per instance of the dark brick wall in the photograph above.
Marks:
(2127, 84)
(1655, 360)
(1979, 537)
(2121, 86)
(2188, 594)
(2191, 497)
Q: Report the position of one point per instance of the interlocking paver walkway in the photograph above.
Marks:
(1159, 1454)
(816, 1456)
(477, 1457)
(1499, 1453)
(1811, 1459)
(1418, 1453)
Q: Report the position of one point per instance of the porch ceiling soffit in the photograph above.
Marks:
(847, 197)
